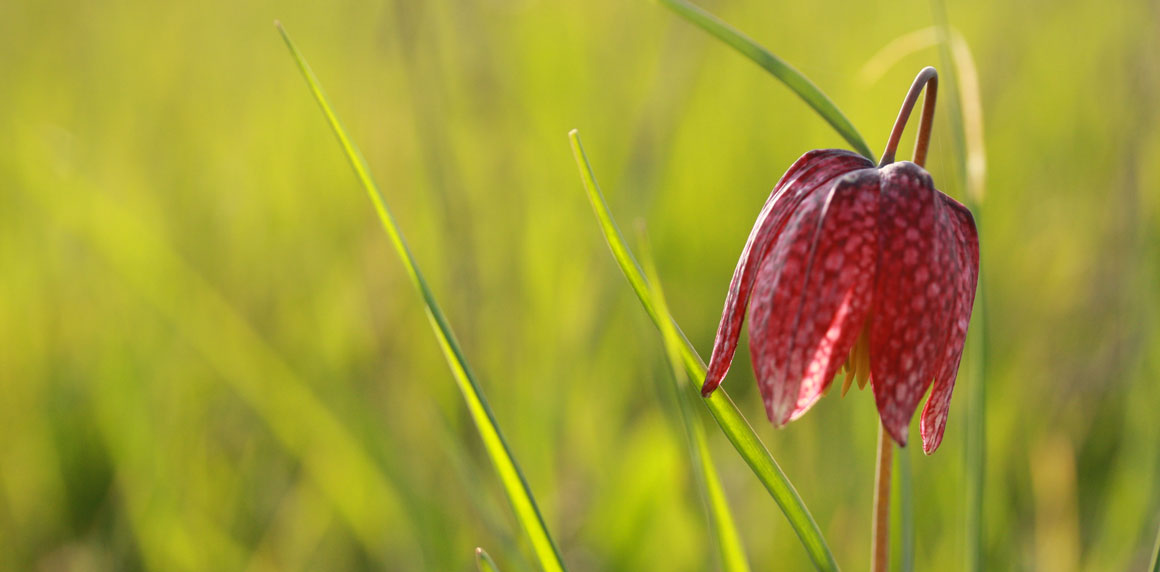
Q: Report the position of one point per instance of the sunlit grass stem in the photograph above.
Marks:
(512, 478)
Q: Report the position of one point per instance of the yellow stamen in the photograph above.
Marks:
(858, 363)
(864, 356)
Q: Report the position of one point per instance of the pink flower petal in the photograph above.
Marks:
(812, 171)
(963, 240)
(840, 286)
(812, 294)
(913, 293)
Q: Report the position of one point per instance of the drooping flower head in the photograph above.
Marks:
(854, 265)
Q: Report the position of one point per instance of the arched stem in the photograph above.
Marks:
(927, 78)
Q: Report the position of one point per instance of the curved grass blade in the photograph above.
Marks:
(724, 412)
(483, 562)
(793, 79)
(510, 475)
(729, 546)
(893, 52)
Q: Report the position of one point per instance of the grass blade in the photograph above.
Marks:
(483, 561)
(724, 412)
(1156, 555)
(514, 483)
(793, 79)
(729, 545)
(972, 174)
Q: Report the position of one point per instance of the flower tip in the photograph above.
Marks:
(781, 413)
(931, 441)
(773, 415)
(899, 434)
(709, 386)
(929, 447)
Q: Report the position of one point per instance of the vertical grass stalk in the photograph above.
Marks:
(512, 478)
(972, 174)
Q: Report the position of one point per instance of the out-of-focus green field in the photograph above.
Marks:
(211, 359)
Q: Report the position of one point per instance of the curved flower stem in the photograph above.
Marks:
(880, 528)
(927, 78)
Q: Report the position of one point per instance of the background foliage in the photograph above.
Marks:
(211, 359)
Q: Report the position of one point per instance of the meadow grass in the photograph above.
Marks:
(512, 478)
(211, 359)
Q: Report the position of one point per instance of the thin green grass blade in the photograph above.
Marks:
(510, 475)
(483, 561)
(793, 79)
(724, 412)
(976, 425)
(721, 521)
(971, 175)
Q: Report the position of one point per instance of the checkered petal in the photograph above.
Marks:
(913, 295)
(812, 294)
(814, 170)
(961, 239)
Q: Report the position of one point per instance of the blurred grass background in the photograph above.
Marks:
(210, 359)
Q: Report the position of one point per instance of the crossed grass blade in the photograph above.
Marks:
(724, 412)
(724, 528)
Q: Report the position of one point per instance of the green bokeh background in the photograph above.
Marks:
(210, 358)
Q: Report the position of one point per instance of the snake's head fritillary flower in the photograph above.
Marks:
(853, 265)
